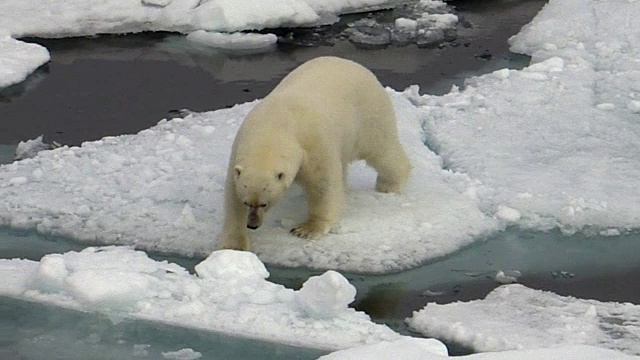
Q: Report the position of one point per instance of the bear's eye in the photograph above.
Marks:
(280, 176)
(263, 205)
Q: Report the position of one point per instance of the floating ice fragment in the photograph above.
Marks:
(326, 295)
(182, 354)
(29, 148)
(141, 350)
(430, 293)
(369, 35)
(610, 232)
(406, 24)
(233, 41)
(508, 277)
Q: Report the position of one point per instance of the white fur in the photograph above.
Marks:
(325, 114)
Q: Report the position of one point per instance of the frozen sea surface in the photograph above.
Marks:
(161, 190)
(515, 317)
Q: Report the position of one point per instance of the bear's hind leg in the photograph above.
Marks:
(393, 168)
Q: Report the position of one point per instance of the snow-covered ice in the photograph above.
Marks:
(516, 317)
(162, 189)
(557, 141)
(228, 294)
(18, 59)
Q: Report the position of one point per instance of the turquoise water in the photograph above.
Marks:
(35, 331)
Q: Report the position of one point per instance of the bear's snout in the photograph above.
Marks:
(254, 220)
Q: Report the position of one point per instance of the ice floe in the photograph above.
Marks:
(515, 317)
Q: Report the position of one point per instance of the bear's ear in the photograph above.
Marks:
(280, 176)
(237, 170)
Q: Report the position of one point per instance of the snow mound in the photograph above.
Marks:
(162, 190)
(516, 317)
(226, 296)
(226, 264)
(326, 295)
(18, 59)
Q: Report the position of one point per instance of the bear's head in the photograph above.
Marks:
(260, 185)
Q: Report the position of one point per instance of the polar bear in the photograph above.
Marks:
(325, 114)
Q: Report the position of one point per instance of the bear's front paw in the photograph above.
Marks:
(388, 187)
(235, 242)
(311, 229)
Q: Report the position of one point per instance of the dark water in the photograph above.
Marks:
(111, 85)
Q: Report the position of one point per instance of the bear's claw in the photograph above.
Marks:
(310, 230)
